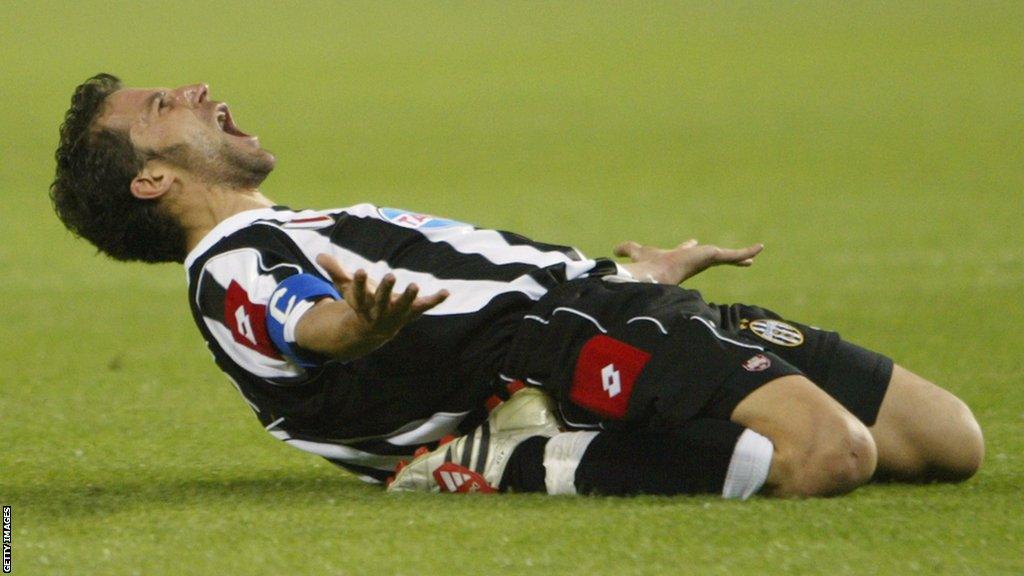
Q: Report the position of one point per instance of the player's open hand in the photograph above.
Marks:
(676, 265)
(383, 311)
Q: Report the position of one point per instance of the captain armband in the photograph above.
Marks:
(292, 298)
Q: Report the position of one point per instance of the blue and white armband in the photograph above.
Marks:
(292, 298)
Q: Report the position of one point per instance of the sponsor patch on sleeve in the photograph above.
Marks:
(416, 221)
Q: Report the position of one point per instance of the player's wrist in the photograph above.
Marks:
(640, 272)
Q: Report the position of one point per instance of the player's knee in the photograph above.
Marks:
(838, 457)
(848, 458)
(965, 446)
(953, 448)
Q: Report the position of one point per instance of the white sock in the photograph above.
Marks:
(562, 456)
(748, 468)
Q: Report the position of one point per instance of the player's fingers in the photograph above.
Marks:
(688, 244)
(403, 303)
(382, 299)
(360, 297)
(738, 255)
(425, 303)
(333, 268)
(628, 249)
(748, 253)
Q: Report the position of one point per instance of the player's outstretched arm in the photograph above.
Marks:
(368, 316)
(676, 265)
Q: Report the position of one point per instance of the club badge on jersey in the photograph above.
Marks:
(777, 332)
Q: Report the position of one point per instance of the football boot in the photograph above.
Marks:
(476, 462)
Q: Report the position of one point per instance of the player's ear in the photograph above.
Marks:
(153, 181)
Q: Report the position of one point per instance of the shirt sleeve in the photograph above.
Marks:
(289, 302)
(250, 297)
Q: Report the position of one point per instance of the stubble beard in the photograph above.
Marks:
(221, 164)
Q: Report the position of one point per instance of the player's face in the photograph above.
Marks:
(184, 127)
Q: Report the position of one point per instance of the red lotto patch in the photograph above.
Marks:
(604, 377)
(248, 321)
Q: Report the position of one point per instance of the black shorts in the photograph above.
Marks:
(623, 355)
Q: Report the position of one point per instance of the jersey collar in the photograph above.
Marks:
(227, 227)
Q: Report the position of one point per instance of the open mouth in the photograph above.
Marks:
(227, 124)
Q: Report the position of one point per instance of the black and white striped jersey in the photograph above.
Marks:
(426, 382)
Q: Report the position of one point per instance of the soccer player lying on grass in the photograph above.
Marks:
(361, 334)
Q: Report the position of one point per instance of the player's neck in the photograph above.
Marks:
(213, 207)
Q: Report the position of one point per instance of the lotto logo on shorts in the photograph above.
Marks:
(604, 376)
(777, 332)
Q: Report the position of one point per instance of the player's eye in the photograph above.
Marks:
(162, 101)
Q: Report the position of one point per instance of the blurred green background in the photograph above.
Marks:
(874, 147)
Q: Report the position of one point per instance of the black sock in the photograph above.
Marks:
(693, 458)
(690, 459)
(525, 469)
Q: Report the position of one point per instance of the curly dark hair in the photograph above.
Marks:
(91, 191)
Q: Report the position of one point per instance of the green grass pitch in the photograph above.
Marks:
(875, 148)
